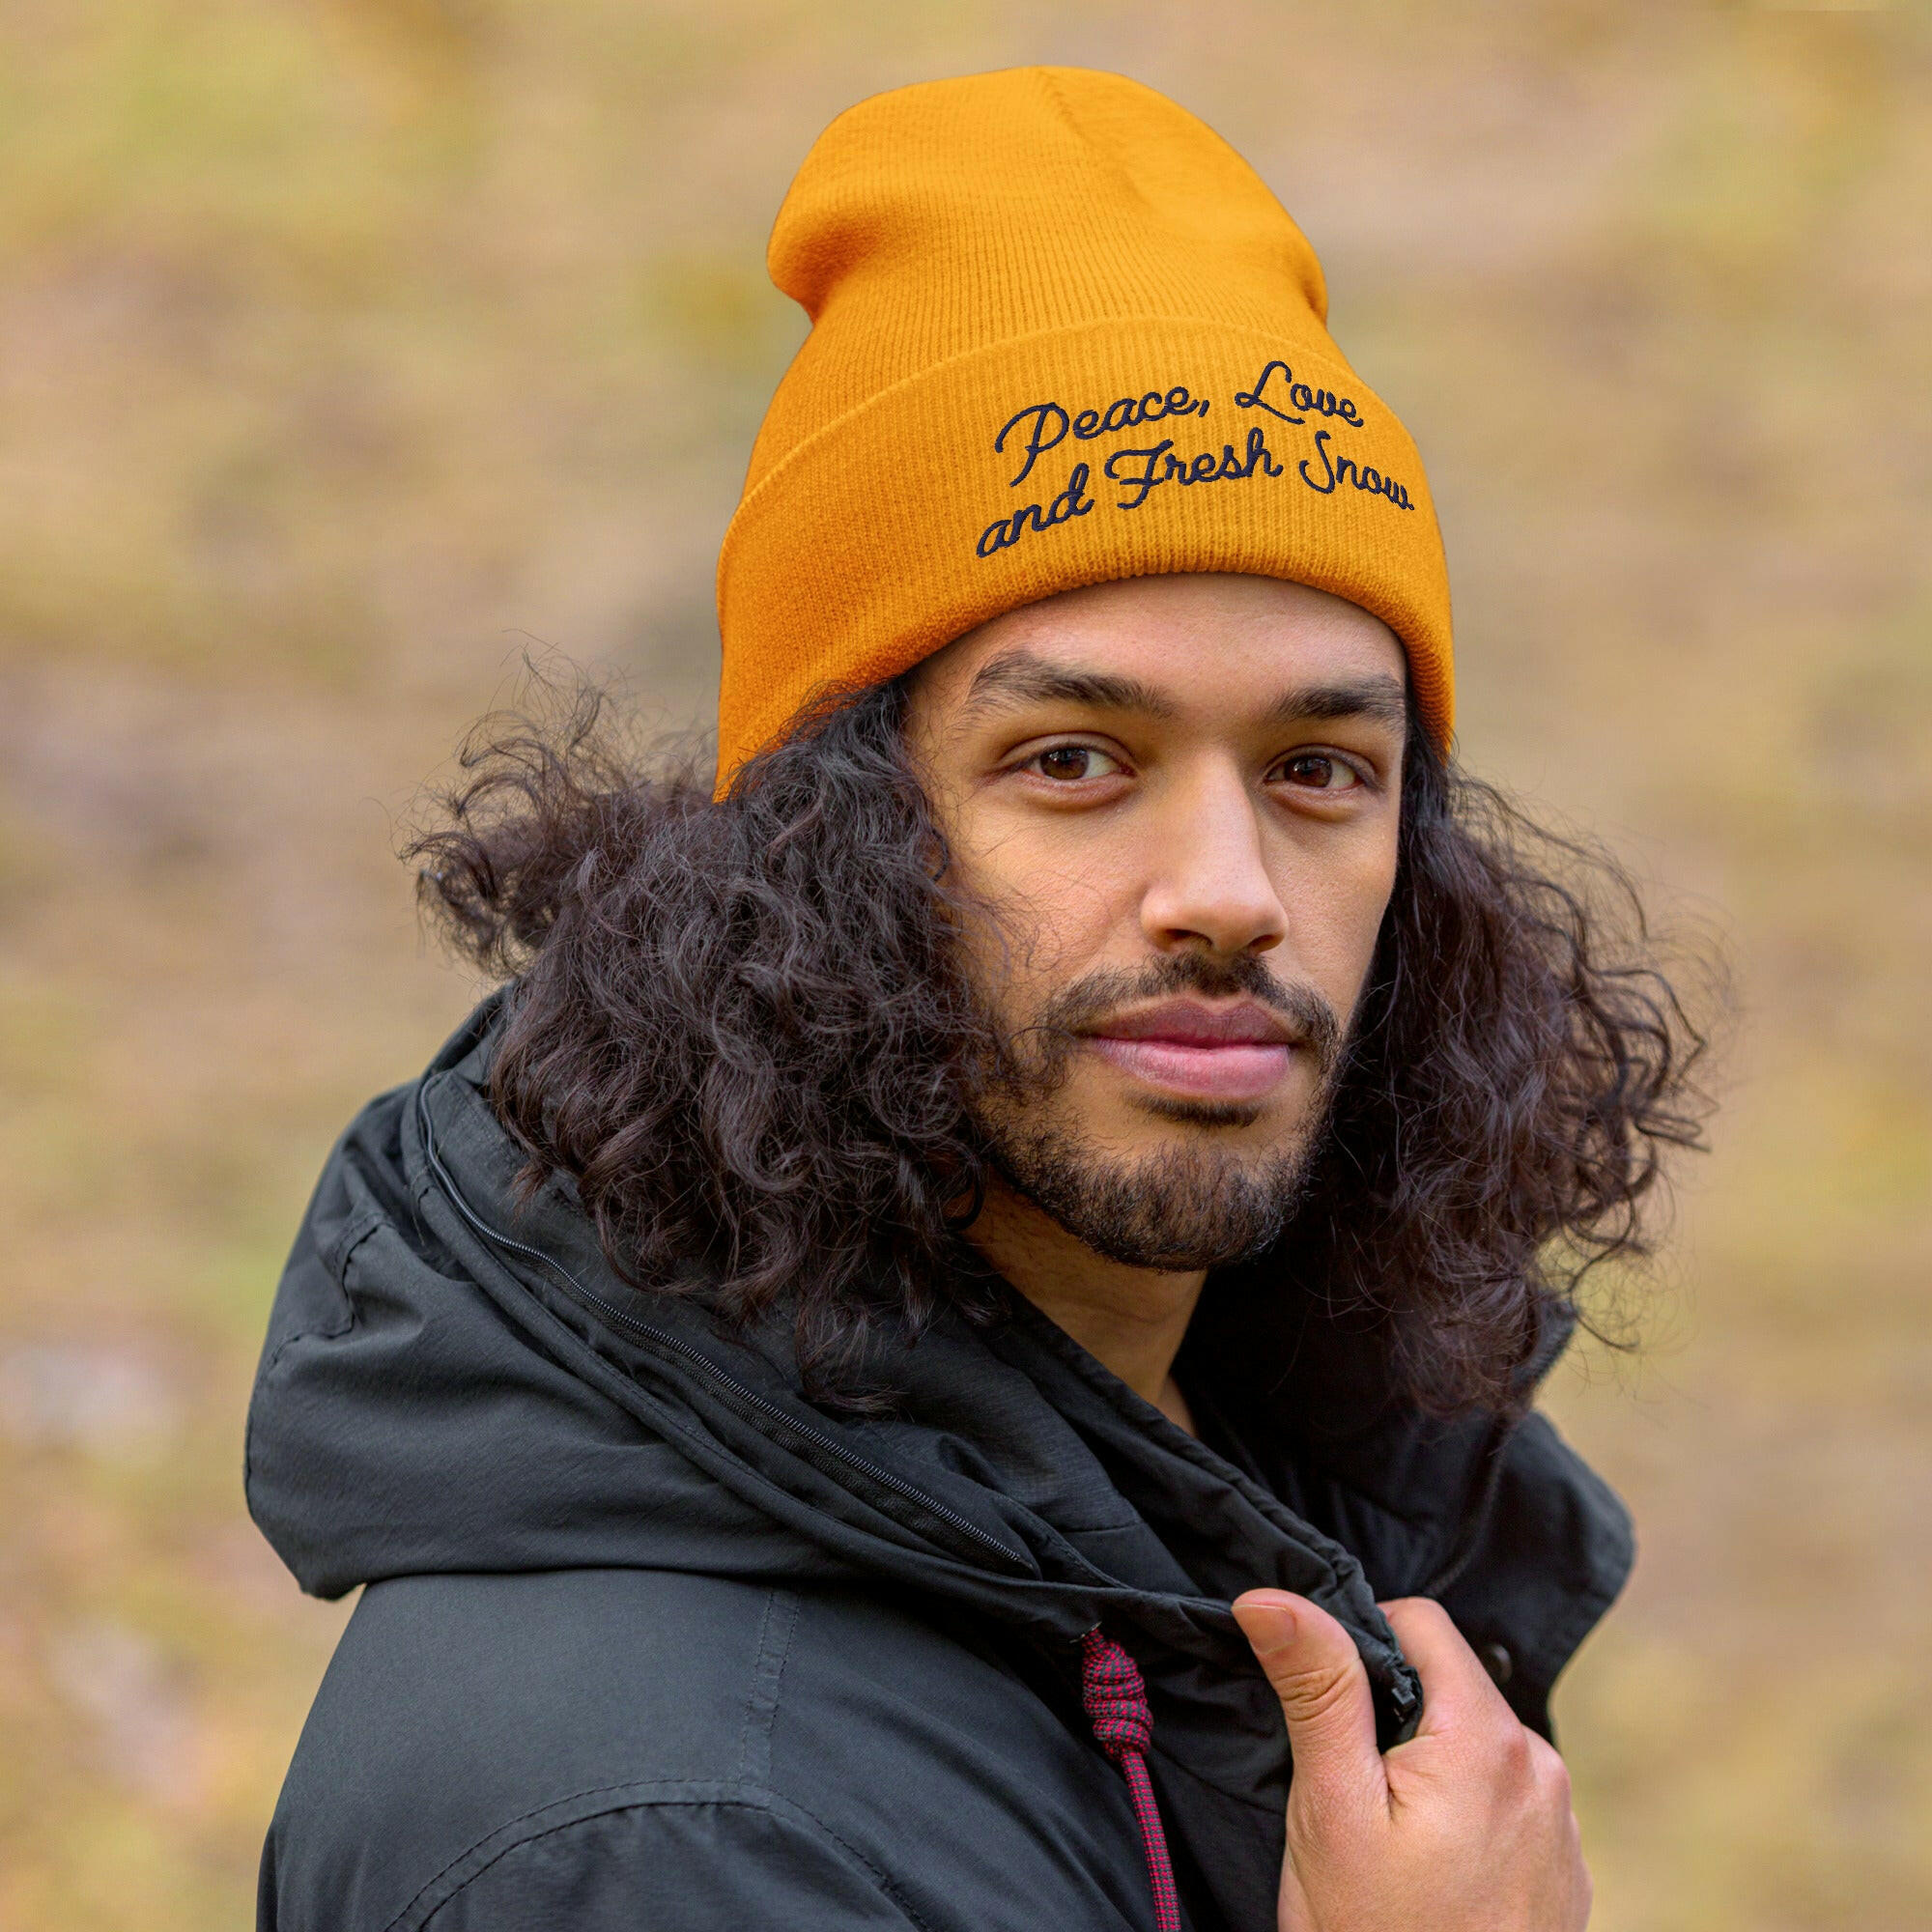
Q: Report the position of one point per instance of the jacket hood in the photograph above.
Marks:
(455, 1384)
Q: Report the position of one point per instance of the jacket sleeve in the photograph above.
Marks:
(710, 1864)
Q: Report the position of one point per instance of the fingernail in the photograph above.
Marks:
(1275, 1611)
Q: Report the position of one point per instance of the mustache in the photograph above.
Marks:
(1075, 1009)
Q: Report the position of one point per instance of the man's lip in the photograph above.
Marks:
(1188, 1023)
(1237, 1055)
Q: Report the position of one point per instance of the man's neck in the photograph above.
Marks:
(1130, 1319)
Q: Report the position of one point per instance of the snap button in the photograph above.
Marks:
(1498, 1662)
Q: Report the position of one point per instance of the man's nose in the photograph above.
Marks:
(1208, 880)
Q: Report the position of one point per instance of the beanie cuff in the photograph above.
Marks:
(1132, 447)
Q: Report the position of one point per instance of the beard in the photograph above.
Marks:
(1202, 1202)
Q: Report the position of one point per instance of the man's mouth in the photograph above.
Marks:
(1233, 1053)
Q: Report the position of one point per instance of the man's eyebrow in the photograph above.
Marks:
(1381, 697)
(1018, 677)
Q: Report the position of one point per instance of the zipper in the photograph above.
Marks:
(1476, 1515)
(1482, 1503)
(662, 1338)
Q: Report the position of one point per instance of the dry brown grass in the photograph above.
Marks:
(344, 346)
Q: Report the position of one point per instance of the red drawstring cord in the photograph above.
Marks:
(1116, 1707)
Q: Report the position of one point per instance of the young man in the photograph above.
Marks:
(881, 1379)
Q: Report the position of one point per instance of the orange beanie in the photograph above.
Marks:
(1062, 333)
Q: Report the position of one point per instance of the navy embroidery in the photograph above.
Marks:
(1041, 427)
(1159, 465)
(1005, 531)
(1051, 423)
(1298, 396)
(1344, 470)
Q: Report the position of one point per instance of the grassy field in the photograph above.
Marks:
(349, 348)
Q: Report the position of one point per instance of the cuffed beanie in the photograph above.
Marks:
(1062, 333)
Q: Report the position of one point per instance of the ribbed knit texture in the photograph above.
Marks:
(1068, 259)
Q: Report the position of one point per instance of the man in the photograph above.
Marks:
(880, 1379)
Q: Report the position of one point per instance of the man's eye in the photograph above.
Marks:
(1316, 770)
(1070, 762)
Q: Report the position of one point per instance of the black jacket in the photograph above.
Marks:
(648, 1641)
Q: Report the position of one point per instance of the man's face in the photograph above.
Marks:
(1179, 797)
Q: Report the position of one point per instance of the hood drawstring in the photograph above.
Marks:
(1116, 1707)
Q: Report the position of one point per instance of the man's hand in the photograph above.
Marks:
(1466, 1828)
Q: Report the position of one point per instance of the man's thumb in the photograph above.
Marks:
(1313, 1665)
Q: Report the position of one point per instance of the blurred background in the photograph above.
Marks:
(349, 348)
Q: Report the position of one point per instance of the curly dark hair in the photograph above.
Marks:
(741, 1029)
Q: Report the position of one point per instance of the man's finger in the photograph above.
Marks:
(1456, 1690)
(1312, 1662)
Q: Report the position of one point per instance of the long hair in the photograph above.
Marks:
(740, 1028)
